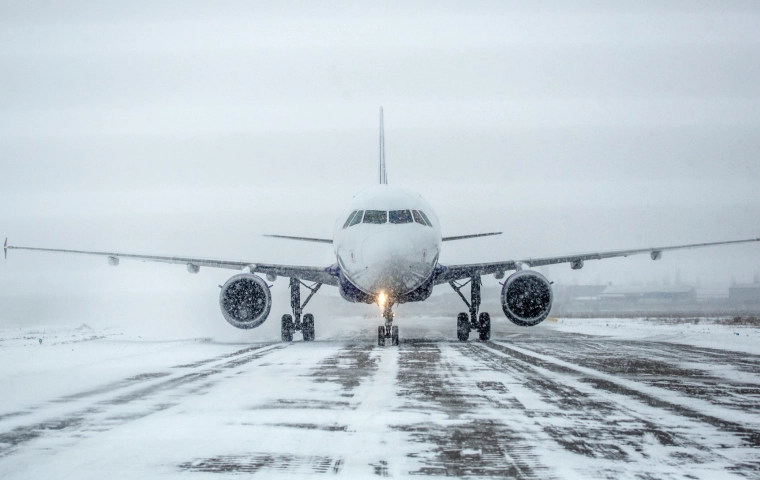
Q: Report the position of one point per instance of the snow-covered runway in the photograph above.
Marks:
(533, 403)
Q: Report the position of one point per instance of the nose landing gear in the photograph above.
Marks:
(388, 330)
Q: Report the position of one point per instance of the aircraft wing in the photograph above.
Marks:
(463, 237)
(308, 273)
(456, 272)
(303, 239)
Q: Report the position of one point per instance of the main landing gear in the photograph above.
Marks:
(388, 330)
(288, 325)
(473, 321)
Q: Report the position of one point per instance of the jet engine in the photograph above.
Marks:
(245, 301)
(526, 298)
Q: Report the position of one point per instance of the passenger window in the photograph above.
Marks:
(350, 217)
(400, 216)
(375, 216)
(357, 218)
(427, 220)
(418, 217)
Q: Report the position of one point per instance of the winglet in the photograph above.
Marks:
(383, 176)
(5, 248)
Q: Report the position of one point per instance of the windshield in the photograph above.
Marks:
(357, 218)
(375, 216)
(427, 220)
(400, 216)
(350, 217)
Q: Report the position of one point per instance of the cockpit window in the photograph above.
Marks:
(375, 216)
(357, 218)
(400, 216)
(418, 217)
(427, 220)
(350, 217)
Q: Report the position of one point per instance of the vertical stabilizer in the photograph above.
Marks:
(383, 176)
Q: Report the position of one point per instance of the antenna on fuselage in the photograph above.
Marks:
(383, 176)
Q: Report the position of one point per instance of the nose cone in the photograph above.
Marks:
(385, 247)
(393, 263)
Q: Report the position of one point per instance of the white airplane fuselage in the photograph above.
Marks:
(394, 254)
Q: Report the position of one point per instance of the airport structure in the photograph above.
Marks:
(747, 293)
(610, 300)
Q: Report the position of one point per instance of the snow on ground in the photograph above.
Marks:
(706, 333)
(568, 399)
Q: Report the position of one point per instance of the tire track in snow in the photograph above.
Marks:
(723, 378)
(612, 426)
(348, 368)
(126, 383)
(329, 393)
(293, 464)
(96, 417)
(744, 425)
(461, 437)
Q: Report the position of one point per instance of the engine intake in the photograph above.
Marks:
(245, 301)
(526, 298)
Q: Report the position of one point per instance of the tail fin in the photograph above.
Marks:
(383, 176)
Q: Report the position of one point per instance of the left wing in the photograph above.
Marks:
(308, 273)
(456, 272)
(476, 235)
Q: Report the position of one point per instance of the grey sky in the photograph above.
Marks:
(194, 127)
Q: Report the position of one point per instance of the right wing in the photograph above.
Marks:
(457, 272)
(476, 235)
(303, 239)
(308, 273)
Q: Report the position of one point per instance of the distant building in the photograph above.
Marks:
(576, 298)
(648, 294)
(712, 293)
(744, 293)
(574, 292)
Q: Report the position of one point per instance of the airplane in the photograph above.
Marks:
(387, 243)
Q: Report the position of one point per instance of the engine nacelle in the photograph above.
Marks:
(526, 298)
(245, 301)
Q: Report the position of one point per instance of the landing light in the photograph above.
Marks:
(381, 299)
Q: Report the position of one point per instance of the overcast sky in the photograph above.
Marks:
(194, 127)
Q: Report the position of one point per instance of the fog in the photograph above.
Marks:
(194, 128)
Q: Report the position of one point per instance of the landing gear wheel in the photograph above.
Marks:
(394, 336)
(484, 326)
(287, 328)
(463, 327)
(308, 327)
(381, 336)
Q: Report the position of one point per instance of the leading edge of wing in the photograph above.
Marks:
(303, 239)
(655, 252)
(308, 273)
(475, 235)
(456, 272)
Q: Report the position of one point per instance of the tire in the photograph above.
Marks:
(381, 336)
(484, 327)
(286, 328)
(463, 327)
(394, 336)
(308, 328)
